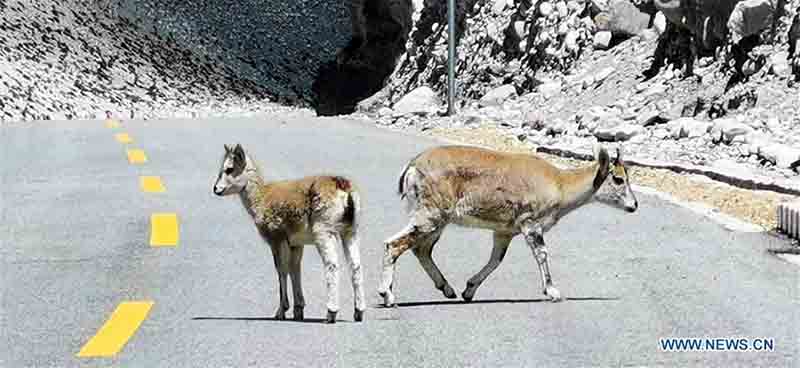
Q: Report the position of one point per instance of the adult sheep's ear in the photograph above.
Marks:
(600, 153)
(238, 153)
(227, 147)
(619, 155)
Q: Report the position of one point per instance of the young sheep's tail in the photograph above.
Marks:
(353, 205)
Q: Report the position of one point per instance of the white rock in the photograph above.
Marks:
(421, 100)
(780, 64)
(727, 130)
(602, 39)
(519, 28)
(749, 17)
(603, 74)
(571, 41)
(385, 111)
(561, 8)
(596, 115)
(660, 23)
(781, 155)
(549, 89)
(601, 5)
(661, 133)
(687, 128)
(498, 7)
(498, 95)
(562, 127)
(545, 9)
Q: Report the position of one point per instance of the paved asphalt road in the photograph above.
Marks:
(75, 244)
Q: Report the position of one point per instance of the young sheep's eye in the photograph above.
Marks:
(229, 171)
(618, 180)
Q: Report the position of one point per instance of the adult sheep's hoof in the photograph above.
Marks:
(331, 318)
(358, 315)
(448, 292)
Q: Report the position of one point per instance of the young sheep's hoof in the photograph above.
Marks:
(280, 315)
(298, 314)
(331, 318)
(358, 315)
(553, 293)
(388, 298)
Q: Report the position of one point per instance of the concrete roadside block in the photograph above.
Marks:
(789, 218)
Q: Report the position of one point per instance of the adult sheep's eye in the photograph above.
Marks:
(618, 180)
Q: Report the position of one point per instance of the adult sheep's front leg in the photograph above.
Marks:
(534, 236)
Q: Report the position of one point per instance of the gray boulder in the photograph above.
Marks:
(750, 17)
(498, 95)
(618, 133)
(422, 100)
(781, 155)
(727, 130)
(687, 128)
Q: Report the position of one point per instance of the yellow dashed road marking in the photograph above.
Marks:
(111, 123)
(164, 230)
(136, 156)
(152, 184)
(119, 328)
(123, 138)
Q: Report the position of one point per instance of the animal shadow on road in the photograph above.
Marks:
(488, 301)
(263, 319)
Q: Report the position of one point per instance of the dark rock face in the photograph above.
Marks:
(288, 46)
(381, 29)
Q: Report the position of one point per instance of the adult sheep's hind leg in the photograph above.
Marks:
(424, 253)
(413, 235)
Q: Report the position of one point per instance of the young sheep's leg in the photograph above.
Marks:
(424, 251)
(326, 245)
(295, 262)
(280, 256)
(534, 236)
(501, 242)
(353, 256)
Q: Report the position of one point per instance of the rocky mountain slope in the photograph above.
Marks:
(714, 84)
(71, 60)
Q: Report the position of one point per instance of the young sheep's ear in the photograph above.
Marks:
(619, 155)
(227, 148)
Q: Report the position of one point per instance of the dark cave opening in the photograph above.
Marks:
(380, 31)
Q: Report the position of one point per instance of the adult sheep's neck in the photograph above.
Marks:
(578, 186)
